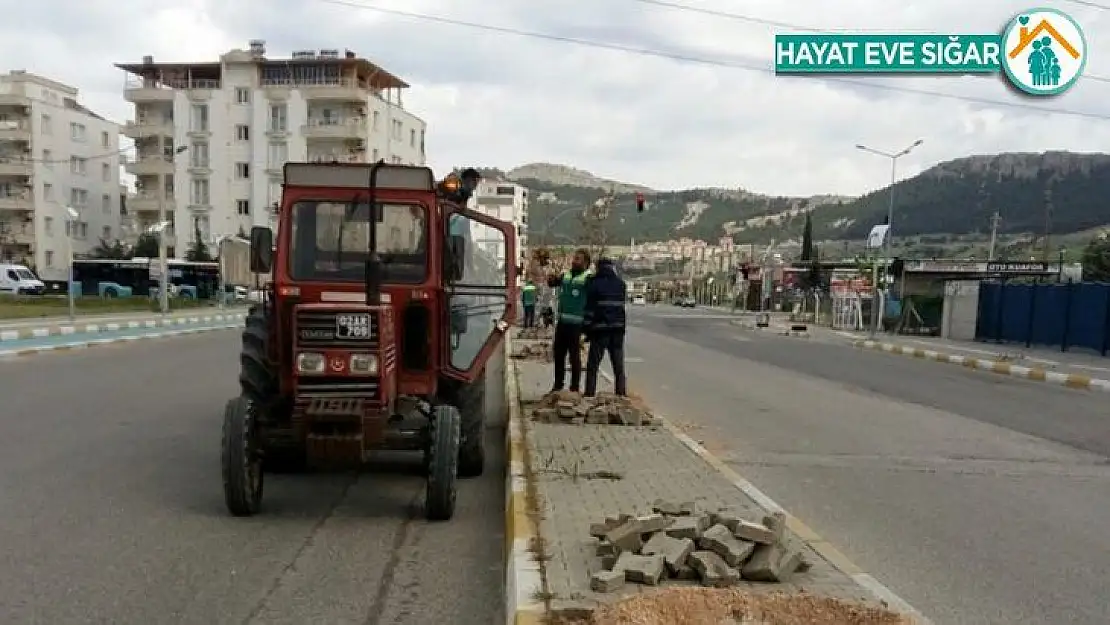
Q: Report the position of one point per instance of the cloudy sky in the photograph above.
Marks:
(500, 99)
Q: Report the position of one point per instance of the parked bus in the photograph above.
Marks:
(137, 276)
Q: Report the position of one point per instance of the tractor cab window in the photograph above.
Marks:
(331, 242)
(477, 299)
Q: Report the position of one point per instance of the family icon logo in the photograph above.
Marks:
(1045, 51)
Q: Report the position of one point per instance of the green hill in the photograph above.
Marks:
(954, 199)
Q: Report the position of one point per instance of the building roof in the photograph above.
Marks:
(376, 76)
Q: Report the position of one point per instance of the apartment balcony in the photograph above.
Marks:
(337, 90)
(18, 202)
(352, 128)
(148, 203)
(16, 166)
(149, 166)
(17, 233)
(18, 130)
(14, 99)
(139, 93)
(148, 128)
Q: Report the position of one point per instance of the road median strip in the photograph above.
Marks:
(99, 327)
(1036, 374)
(608, 510)
(178, 327)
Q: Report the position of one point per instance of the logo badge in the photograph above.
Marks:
(338, 364)
(1043, 52)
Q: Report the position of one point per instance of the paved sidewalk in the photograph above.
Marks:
(653, 463)
(55, 326)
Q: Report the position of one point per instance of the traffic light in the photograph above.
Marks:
(639, 202)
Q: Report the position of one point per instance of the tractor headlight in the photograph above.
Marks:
(310, 362)
(364, 364)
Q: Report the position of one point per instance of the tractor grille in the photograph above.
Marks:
(319, 329)
(337, 387)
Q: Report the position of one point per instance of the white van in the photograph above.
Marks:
(19, 280)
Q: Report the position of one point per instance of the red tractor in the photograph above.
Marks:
(387, 299)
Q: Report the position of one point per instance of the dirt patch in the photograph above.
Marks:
(708, 606)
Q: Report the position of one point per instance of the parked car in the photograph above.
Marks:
(688, 302)
(639, 300)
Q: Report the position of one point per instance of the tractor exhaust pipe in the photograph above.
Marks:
(373, 262)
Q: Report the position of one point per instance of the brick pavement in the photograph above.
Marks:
(654, 464)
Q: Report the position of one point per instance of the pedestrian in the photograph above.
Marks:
(568, 324)
(604, 326)
(528, 302)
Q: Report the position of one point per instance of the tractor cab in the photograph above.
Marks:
(387, 297)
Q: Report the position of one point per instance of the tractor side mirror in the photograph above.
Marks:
(456, 257)
(262, 249)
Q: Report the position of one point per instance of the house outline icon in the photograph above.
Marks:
(1027, 36)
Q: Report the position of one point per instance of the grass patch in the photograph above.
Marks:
(31, 307)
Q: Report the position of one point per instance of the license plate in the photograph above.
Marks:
(355, 327)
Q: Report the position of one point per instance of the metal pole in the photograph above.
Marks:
(890, 207)
(69, 273)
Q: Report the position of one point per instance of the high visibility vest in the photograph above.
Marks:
(572, 297)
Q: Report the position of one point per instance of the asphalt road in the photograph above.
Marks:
(979, 499)
(113, 511)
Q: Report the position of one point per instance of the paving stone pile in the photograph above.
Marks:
(679, 542)
(536, 334)
(604, 409)
(534, 351)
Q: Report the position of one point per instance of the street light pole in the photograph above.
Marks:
(888, 239)
(72, 217)
(164, 285)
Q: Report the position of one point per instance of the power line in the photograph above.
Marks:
(740, 17)
(675, 56)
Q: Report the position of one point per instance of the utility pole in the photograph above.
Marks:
(1047, 220)
(995, 219)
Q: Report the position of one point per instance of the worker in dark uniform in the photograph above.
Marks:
(568, 325)
(604, 325)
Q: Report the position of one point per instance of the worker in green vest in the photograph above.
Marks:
(571, 315)
(528, 302)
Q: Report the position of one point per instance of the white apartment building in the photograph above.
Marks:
(506, 201)
(54, 153)
(211, 138)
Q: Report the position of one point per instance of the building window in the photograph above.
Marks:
(198, 155)
(243, 207)
(199, 119)
(279, 153)
(243, 132)
(243, 171)
(106, 233)
(375, 157)
(106, 204)
(105, 141)
(78, 166)
(412, 138)
(396, 160)
(48, 192)
(374, 123)
(48, 159)
(199, 193)
(47, 127)
(398, 128)
(105, 172)
(49, 258)
(77, 132)
(422, 142)
(48, 226)
(242, 95)
(78, 198)
(279, 118)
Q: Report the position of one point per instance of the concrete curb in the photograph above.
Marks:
(1036, 374)
(23, 334)
(230, 321)
(524, 578)
(822, 547)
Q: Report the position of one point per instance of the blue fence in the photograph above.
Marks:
(1068, 315)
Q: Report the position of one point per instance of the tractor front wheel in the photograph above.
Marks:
(240, 458)
(443, 463)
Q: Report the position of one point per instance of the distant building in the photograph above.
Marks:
(506, 201)
(54, 154)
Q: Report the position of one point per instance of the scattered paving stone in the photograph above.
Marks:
(720, 541)
(607, 581)
(604, 409)
(677, 542)
(772, 563)
(713, 570)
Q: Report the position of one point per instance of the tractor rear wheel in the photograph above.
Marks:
(258, 381)
(470, 399)
(241, 459)
(443, 463)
